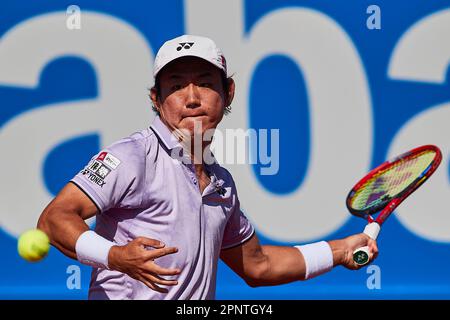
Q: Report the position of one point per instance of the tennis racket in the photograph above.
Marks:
(386, 186)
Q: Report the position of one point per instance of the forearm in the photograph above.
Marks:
(272, 265)
(281, 264)
(63, 228)
(286, 264)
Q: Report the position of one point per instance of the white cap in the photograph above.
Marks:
(189, 46)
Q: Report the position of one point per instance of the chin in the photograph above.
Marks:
(193, 123)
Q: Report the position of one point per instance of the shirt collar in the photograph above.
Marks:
(170, 141)
(164, 133)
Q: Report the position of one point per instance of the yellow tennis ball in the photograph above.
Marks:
(33, 245)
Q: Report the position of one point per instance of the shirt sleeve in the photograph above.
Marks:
(112, 178)
(238, 228)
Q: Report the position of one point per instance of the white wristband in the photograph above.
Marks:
(92, 249)
(318, 258)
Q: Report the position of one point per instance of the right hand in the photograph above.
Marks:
(138, 262)
(343, 250)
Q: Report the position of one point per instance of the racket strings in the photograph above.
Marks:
(388, 183)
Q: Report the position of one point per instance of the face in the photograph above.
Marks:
(191, 91)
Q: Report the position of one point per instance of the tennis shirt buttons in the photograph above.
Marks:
(191, 173)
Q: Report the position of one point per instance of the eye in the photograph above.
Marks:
(206, 85)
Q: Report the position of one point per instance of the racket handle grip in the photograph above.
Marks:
(372, 230)
(361, 255)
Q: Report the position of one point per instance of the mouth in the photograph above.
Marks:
(193, 115)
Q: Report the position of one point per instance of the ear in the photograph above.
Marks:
(231, 88)
(155, 99)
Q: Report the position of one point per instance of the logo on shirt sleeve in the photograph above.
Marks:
(108, 159)
(94, 166)
(102, 156)
(99, 168)
(93, 176)
(96, 172)
(102, 171)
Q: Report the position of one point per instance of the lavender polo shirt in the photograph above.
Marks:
(141, 190)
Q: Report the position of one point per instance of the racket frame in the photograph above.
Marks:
(390, 204)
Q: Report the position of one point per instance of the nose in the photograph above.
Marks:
(193, 98)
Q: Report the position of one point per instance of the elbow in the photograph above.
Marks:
(253, 283)
(48, 221)
(257, 276)
(43, 222)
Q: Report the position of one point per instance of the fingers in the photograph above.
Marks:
(163, 252)
(158, 253)
(151, 278)
(365, 239)
(153, 286)
(372, 244)
(154, 268)
(159, 250)
(138, 262)
(165, 272)
(158, 280)
(355, 242)
(373, 247)
(149, 242)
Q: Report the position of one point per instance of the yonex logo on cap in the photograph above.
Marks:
(181, 46)
(185, 45)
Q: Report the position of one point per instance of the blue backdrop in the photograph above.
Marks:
(410, 265)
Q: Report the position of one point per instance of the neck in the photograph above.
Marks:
(196, 150)
(199, 169)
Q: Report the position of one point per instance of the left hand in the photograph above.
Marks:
(343, 250)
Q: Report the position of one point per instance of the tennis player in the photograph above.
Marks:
(165, 216)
